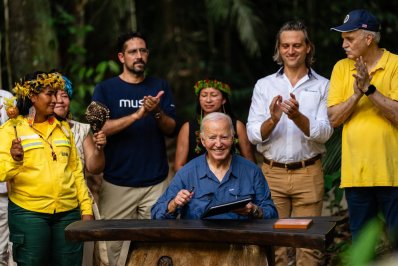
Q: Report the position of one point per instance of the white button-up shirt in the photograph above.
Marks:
(287, 143)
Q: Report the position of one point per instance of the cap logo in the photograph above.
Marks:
(364, 26)
(346, 18)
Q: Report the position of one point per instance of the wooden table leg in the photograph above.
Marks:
(270, 251)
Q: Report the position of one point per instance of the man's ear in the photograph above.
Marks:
(202, 140)
(120, 56)
(369, 39)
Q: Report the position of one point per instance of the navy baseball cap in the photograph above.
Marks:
(359, 19)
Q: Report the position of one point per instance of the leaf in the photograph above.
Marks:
(330, 180)
(90, 72)
(332, 160)
(362, 250)
(242, 14)
(113, 66)
(101, 67)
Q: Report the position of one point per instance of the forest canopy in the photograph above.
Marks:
(230, 40)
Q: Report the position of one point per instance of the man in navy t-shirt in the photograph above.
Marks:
(142, 112)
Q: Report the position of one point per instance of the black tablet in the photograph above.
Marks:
(225, 207)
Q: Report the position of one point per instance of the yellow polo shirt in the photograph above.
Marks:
(369, 141)
(39, 183)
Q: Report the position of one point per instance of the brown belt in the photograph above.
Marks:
(295, 165)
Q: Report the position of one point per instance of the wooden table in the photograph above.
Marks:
(245, 232)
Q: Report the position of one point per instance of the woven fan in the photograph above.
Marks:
(96, 115)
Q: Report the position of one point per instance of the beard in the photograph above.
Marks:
(139, 71)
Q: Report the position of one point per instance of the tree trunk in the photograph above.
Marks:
(32, 41)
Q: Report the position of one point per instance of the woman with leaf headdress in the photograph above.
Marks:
(47, 188)
(212, 96)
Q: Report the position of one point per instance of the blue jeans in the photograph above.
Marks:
(39, 238)
(364, 203)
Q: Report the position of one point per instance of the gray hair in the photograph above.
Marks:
(294, 26)
(217, 116)
(376, 35)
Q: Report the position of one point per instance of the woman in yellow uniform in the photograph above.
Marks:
(47, 189)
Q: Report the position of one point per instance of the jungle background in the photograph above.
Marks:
(230, 40)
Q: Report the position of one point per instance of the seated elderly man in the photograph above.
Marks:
(216, 177)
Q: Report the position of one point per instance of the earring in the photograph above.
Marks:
(223, 109)
(31, 115)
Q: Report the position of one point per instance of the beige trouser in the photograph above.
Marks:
(117, 202)
(296, 193)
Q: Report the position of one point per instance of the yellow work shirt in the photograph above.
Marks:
(369, 140)
(38, 182)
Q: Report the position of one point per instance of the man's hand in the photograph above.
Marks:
(291, 107)
(151, 103)
(362, 77)
(182, 198)
(16, 150)
(248, 210)
(275, 109)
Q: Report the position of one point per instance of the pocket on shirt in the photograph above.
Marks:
(203, 196)
(33, 151)
(311, 99)
(62, 147)
(240, 193)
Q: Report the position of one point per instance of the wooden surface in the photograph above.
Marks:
(197, 254)
(254, 232)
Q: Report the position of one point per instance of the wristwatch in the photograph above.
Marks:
(157, 115)
(371, 89)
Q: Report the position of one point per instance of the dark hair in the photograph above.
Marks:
(124, 37)
(294, 26)
(227, 107)
(23, 104)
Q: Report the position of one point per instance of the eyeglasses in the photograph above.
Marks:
(134, 52)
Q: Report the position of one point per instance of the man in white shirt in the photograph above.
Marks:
(289, 124)
(3, 193)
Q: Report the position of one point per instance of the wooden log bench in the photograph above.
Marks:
(189, 242)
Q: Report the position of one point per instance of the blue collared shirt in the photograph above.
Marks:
(243, 179)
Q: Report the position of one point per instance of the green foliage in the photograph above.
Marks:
(363, 249)
(240, 100)
(240, 13)
(85, 79)
(332, 173)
